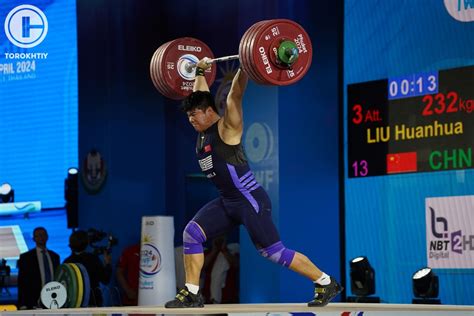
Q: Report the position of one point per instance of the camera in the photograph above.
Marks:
(101, 241)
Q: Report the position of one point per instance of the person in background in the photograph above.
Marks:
(5, 271)
(127, 273)
(35, 269)
(221, 269)
(99, 272)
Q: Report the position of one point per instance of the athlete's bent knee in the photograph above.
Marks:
(278, 253)
(193, 237)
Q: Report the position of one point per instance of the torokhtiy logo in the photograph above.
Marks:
(26, 26)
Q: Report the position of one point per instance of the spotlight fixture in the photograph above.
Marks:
(71, 195)
(7, 194)
(425, 287)
(362, 281)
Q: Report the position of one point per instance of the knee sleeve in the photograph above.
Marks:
(193, 237)
(278, 253)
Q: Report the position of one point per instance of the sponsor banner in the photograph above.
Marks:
(157, 283)
(450, 232)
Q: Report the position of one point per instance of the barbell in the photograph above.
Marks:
(272, 52)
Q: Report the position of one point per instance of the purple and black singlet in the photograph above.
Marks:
(242, 199)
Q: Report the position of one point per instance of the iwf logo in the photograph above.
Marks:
(26, 26)
(461, 10)
(449, 233)
(150, 260)
(259, 142)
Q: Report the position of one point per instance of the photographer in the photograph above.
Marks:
(98, 272)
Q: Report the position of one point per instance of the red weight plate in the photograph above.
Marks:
(175, 71)
(160, 75)
(251, 46)
(243, 55)
(163, 75)
(243, 62)
(248, 51)
(255, 57)
(154, 69)
(245, 46)
(268, 39)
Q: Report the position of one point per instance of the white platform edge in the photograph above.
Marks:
(253, 308)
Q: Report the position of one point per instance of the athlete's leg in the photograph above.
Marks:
(193, 237)
(265, 237)
(302, 265)
(289, 258)
(210, 221)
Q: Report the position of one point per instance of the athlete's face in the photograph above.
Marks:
(199, 119)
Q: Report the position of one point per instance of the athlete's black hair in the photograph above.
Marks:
(199, 100)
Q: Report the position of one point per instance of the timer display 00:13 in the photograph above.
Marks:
(412, 85)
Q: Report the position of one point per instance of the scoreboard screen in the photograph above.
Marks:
(420, 122)
(408, 118)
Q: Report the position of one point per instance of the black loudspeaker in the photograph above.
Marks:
(71, 195)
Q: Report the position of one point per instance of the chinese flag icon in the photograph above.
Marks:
(401, 162)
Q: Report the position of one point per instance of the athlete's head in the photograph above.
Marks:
(201, 110)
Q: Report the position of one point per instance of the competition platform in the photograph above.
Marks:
(332, 309)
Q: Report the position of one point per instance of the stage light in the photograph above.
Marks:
(362, 281)
(71, 195)
(425, 287)
(7, 194)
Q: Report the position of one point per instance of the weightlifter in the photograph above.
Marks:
(242, 200)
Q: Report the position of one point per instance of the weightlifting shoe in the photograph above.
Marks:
(185, 299)
(323, 294)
